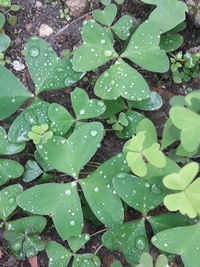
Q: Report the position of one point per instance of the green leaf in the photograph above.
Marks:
(2, 20)
(100, 194)
(147, 261)
(6, 146)
(154, 102)
(9, 169)
(119, 2)
(148, 127)
(22, 236)
(12, 93)
(7, 200)
(12, 20)
(61, 201)
(106, 16)
(143, 48)
(187, 197)
(5, 3)
(70, 155)
(58, 255)
(170, 134)
(137, 193)
(105, 2)
(134, 118)
(121, 80)
(61, 119)
(189, 124)
(96, 50)
(32, 171)
(86, 260)
(84, 107)
(168, 14)
(15, 8)
(116, 264)
(170, 42)
(47, 70)
(122, 27)
(113, 107)
(186, 243)
(130, 238)
(76, 242)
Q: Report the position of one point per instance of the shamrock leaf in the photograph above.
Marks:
(187, 200)
(143, 48)
(170, 42)
(137, 193)
(2, 20)
(116, 264)
(70, 155)
(121, 80)
(147, 261)
(22, 236)
(58, 255)
(105, 16)
(130, 238)
(84, 107)
(113, 107)
(170, 134)
(96, 50)
(32, 171)
(60, 201)
(39, 134)
(9, 169)
(12, 93)
(86, 260)
(6, 146)
(47, 70)
(189, 123)
(100, 194)
(122, 27)
(168, 13)
(184, 241)
(7, 200)
(76, 242)
(5, 42)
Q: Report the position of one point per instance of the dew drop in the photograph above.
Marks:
(107, 53)
(68, 192)
(34, 51)
(11, 200)
(82, 112)
(72, 223)
(93, 133)
(140, 242)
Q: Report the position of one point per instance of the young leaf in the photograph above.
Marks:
(84, 107)
(137, 193)
(12, 93)
(106, 16)
(70, 155)
(96, 50)
(7, 200)
(168, 14)
(9, 169)
(170, 42)
(121, 80)
(130, 238)
(147, 261)
(113, 107)
(116, 264)
(76, 242)
(32, 171)
(47, 70)
(143, 48)
(6, 146)
(186, 243)
(4, 42)
(86, 260)
(122, 27)
(105, 2)
(100, 194)
(61, 201)
(187, 199)
(2, 20)
(58, 255)
(170, 134)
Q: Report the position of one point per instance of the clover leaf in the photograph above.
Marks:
(32, 171)
(122, 27)
(9, 169)
(105, 16)
(184, 241)
(86, 260)
(40, 134)
(22, 236)
(147, 261)
(187, 199)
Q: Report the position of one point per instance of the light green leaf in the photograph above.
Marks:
(170, 42)
(170, 134)
(32, 171)
(100, 194)
(168, 14)
(121, 80)
(58, 255)
(130, 238)
(147, 261)
(143, 48)
(86, 260)
(60, 201)
(9, 169)
(137, 193)
(47, 70)
(12, 93)
(148, 127)
(105, 2)
(5, 3)
(70, 155)
(116, 264)
(154, 156)
(106, 16)
(4, 42)
(7, 200)
(122, 27)
(186, 243)
(76, 242)
(84, 107)
(2, 20)
(96, 50)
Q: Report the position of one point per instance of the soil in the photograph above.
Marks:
(29, 20)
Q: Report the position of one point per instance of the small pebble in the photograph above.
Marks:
(18, 66)
(45, 30)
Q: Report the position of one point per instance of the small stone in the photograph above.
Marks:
(38, 4)
(77, 7)
(18, 66)
(194, 11)
(28, 26)
(45, 30)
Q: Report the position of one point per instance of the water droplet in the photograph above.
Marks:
(82, 112)
(155, 189)
(72, 223)
(140, 242)
(93, 133)
(34, 51)
(11, 200)
(100, 103)
(107, 53)
(68, 192)
(68, 81)
(96, 189)
(103, 41)
(16, 246)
